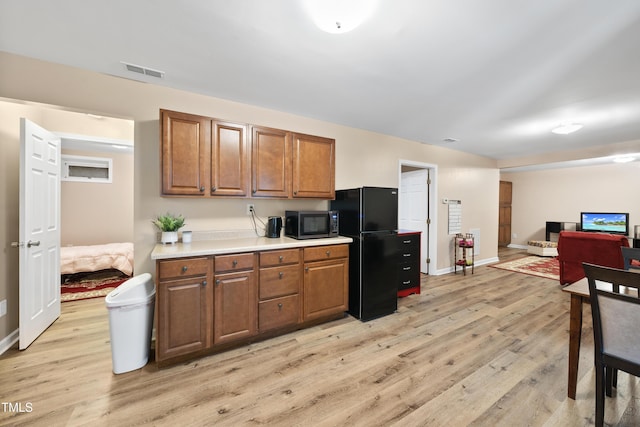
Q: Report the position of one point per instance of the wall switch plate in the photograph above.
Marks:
(3, 307)
(250, 208)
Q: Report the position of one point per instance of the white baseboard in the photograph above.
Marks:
(511, 245)
(9, 341)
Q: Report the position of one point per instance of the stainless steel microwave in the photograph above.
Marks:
(311, 224)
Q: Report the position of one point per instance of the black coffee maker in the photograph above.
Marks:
(274, 226)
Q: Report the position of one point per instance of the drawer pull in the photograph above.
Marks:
(235, 263)
(406, 268)
(184, 268)
(281, 258)
(406, 241)
(328, 253)
(407, 282)
(281, 274)
(204, 283)
(406, 255)
(279, 306)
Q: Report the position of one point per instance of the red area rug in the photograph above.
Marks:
(90, 285)
(547, 267)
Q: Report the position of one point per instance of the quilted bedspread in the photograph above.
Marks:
(77, 259)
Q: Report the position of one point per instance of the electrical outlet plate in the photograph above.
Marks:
(250, 208)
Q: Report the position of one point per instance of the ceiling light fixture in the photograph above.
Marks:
(339, 16)
(567, 128)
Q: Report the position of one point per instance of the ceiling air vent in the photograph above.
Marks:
(143, 70)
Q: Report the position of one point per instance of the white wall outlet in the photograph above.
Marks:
(3, 307)
(250, 208)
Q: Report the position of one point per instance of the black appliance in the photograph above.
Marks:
(274, 226)
(310, 224)
(369, 215)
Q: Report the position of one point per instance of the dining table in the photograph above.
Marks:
(579, 292)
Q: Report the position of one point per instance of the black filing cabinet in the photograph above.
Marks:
(409, 263)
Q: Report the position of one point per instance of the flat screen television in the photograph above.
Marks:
(605, 222)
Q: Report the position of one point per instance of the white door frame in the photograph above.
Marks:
(39, 245)
(432, 235)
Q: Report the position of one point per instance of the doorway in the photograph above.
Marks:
(416, 201)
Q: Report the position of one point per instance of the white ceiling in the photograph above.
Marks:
(495, 74)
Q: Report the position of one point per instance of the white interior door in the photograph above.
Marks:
(414, 209)
(39, 230)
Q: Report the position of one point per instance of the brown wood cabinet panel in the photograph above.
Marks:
(278, 312)
(235, 314)
(271, 162)
(279, 281)
(234, 262)
(281, 257)
(313, 167)
(186, 145)
(229, 160)
(325, 252)
(504, 213)
(183, 267)
(184, 318)
(325, 288)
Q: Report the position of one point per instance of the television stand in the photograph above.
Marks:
(557, 227)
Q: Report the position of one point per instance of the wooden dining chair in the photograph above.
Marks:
(616, 315)
(628, 256)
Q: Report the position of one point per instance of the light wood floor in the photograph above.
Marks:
(485, 349)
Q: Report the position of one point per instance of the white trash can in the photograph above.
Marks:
(130, 308)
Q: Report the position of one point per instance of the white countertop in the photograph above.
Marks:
(244, 244)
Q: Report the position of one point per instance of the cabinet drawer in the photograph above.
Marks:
(278, 312)
(185, 267)
(273, 258)
(409, 276)
(279, 281)
(234, 262)
(326, 252)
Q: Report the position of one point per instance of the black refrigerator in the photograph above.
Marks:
(369, 215)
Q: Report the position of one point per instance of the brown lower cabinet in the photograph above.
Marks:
(211, 303)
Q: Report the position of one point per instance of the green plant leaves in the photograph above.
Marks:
(169, 222)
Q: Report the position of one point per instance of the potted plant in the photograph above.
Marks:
(169, 225)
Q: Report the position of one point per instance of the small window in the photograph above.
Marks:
(87, 169)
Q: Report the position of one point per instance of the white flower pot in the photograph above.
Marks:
(169, 237)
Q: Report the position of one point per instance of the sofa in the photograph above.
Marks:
(576, 247)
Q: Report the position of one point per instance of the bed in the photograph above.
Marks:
(79, 259)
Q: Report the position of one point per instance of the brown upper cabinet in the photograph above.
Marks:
(313, 167)
(206, 157)
(203, 156)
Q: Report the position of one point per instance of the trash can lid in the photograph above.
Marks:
(136, 290)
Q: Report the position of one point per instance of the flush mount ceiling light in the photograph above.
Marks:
(449, 140)
(339, 16)
(567, 128)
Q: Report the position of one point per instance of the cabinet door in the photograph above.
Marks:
(186, 145)
(325, 288)
(313, 167)
(184, 317)
(236, 307)
(229, 160)
(271, 162)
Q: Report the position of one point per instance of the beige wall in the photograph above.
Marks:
(362, 158)
(561, 194)
(97, 213)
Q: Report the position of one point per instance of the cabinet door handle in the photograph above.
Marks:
(306, 269)
(217, 282)
(202, 189)
(184, 268)
(281, 274)
(204, 283)
(213, 189)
